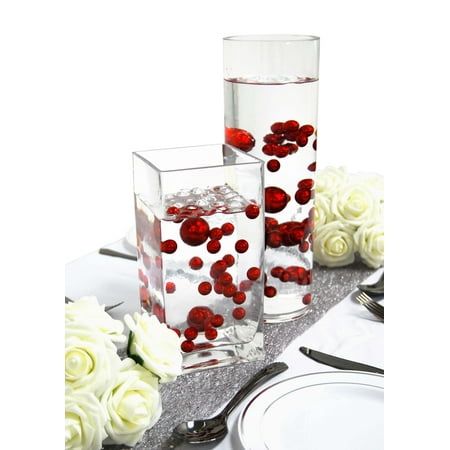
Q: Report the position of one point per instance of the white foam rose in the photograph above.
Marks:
(91, 360)
(372, 181)
(84, 421)
(132, 402)
(334, 245)
(322, 210)
(157, 346)
(330, 179)
(88, 310)
(354, 205)
(369, 240)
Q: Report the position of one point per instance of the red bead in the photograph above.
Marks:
(241, 139)
(170, 287)
(273, 165)
(241, 246)
(291, 125)
(169, 246)
(218, 288)
(277, 128)
(270, 223)
(285, 276)
(210, 334)
(159, 312)
(303, 196)
(216, 233)
(187, 346)
(273, 139)
(229, 290)
(275, 199)
(229, 260)
(312, 167)
(291, 135)
(146, 260)
(213, 246)
(270, 291)
(144, 295)
(307, 130)
(307, 299)
(190, 333)
(253, 273)
(199, 317)
(227, 228)
(225, 279)
(239, 313)
(217, 320)
(304, 246)
(173, 211)
(273, 239)
(195, 263)
(245, 285)
(307, 183)
(282, 151)
(276, 271)
(176, 331)
(204, 287)
(194, 231)
(269, 149)
(315, 144)
(302, 140)
(239, 297)
(143, 277)
(296, 235)
(292, 148)
(252, 211)
(302, 274)
(217, 268)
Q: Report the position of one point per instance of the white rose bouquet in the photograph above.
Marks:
(107, 398)
(348, 218)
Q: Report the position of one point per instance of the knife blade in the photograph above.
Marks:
(338, 363)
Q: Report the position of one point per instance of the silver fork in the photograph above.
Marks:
(107, 308)
(374, 307)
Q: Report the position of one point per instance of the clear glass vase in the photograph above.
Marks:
(200, 242)
(271, 89)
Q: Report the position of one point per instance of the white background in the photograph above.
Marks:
(85, 83)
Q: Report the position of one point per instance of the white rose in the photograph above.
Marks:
(132, 403)
(91, 360)
(369, 240)
(156, 345)
(355, 205)
(330, 179)
(333, 244)
(322, 210)
(85, 421)
(87, 310)
(372, 181)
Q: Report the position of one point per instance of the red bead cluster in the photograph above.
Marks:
(240, 139)
(293, 274)
(304, 193)
(287, 234)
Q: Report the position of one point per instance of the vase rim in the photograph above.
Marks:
(272, 38)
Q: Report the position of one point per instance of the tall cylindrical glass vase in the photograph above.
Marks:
(271, 90)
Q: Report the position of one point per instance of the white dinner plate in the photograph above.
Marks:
(321, 411)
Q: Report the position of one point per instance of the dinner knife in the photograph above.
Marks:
(338, 363)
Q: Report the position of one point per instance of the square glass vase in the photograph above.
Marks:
(200, 245)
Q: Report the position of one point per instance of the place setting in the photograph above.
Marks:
(245, 307)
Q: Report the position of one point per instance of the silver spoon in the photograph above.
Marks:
(215, 429)
(376, 288)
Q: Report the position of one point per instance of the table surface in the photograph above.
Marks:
(200, 394)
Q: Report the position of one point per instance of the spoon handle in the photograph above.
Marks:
(259, 378)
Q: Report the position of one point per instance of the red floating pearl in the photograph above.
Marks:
(270, 223)
(302, 140)
(253, 273)
(227, 228)
(315, 144)
(296, 235)
(190, 333)
(273, 165)
(285, 276)
(218, 288)
(269, 149)
(252, 211)
(291, 135)
(146, 260)
(291, 125)
(199, 317)
(245, 285)
(276, 271)
(282, 151)
(170, 287)
(273, 239)
(187, 346)
(302, 274)
(169, 246)
(241, 139)
(307, 183)
(303, 196)
(241, 246)
(239, 313)
(273, 139)
(211, 334)
(173, 211)
(270, 291)
(225, 279)
(144, 295)
(216, 233)
(195, 263)
(312, 167)
(307, 130)
(217, 268)
(275, 199)
(143, 277)
(204, 287)
(213, 246)
(217, 320)
(229, 290)
(277, 128)
(239, 297)
(194, 231)
(229, 260)
(307, 299)
(176, 331)
(304, 246)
